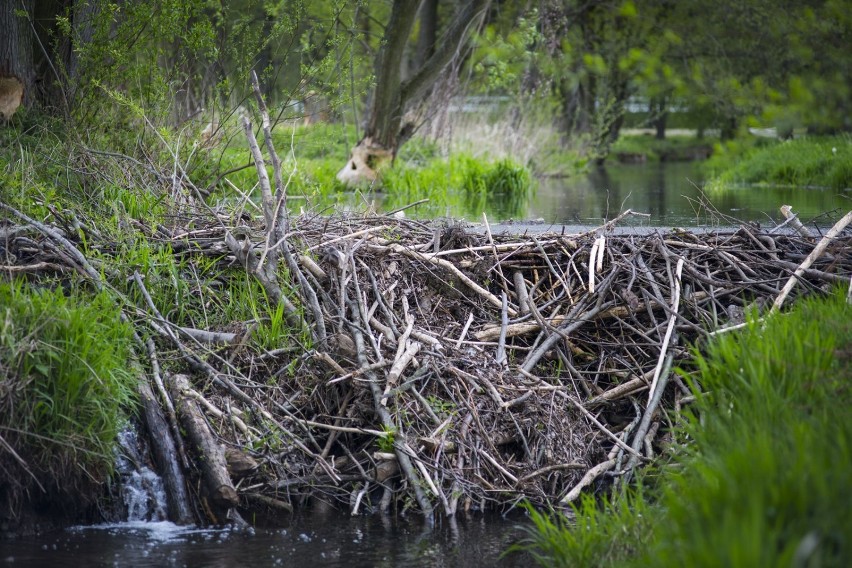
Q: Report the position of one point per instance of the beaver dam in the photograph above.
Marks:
(424, 366)
(396, 365)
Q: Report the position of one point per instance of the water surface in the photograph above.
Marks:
(671, 193)
(311, 539)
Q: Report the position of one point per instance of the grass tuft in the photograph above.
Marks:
(66, 384)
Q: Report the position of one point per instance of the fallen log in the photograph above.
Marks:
(210, 456)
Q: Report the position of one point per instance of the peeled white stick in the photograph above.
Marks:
(669, 330)
(592, 256)
(818, 250)
(601, 248)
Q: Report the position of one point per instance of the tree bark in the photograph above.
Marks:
(17, 73)
(164, 452)
(211, 457)
(385, 132)
(427, 33)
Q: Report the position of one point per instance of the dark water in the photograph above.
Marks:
(309, 540)
(671, 192)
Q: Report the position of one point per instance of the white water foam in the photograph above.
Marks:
(141, 488)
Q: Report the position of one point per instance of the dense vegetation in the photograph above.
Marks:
(758, 476)
(813, 163)
(67, 383)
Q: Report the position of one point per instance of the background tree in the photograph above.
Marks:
(385, 130)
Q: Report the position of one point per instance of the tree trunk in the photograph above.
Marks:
(17, 73)
(729, 128)
(427, 33)
(659, 114)
(385, 131)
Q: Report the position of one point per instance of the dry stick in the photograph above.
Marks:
(553, 271)
(348, 237)
(491, 298)
(385, 416)
(500, 358)
(278, 222)
(590, 476)
(818, 250)
(56, 236)
(464, 330)
(793, 219)
(639, 438)
(669, 330)
(503, 282)
(521, 291)
(166, 401)
(571, 325)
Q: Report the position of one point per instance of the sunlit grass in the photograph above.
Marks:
(824, 162)
(463, 184)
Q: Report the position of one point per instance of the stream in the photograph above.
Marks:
(317, 536)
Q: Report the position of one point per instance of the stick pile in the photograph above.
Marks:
(426, 365)
(449, 368)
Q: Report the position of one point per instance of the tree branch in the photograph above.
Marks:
(445, 51)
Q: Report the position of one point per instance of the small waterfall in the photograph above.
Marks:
(141, 488)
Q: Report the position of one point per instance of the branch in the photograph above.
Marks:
(449, 48)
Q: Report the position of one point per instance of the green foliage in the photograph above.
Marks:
(500, 189)
(600, 534)
(386, 442)
(766, 478)
(670, 148)
(66, 382)
(805, 162)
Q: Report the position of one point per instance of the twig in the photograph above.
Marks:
(818, 250)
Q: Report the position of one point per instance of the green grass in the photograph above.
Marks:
(804, 162)
(671, 148)
(465, 185)
(66, 384)
(767, 476)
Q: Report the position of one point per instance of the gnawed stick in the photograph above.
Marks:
(214, 469)
(794, 222)
(818, 250)
(590, 476)
(669, 330)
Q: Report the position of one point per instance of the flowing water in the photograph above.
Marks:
(317, 537)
